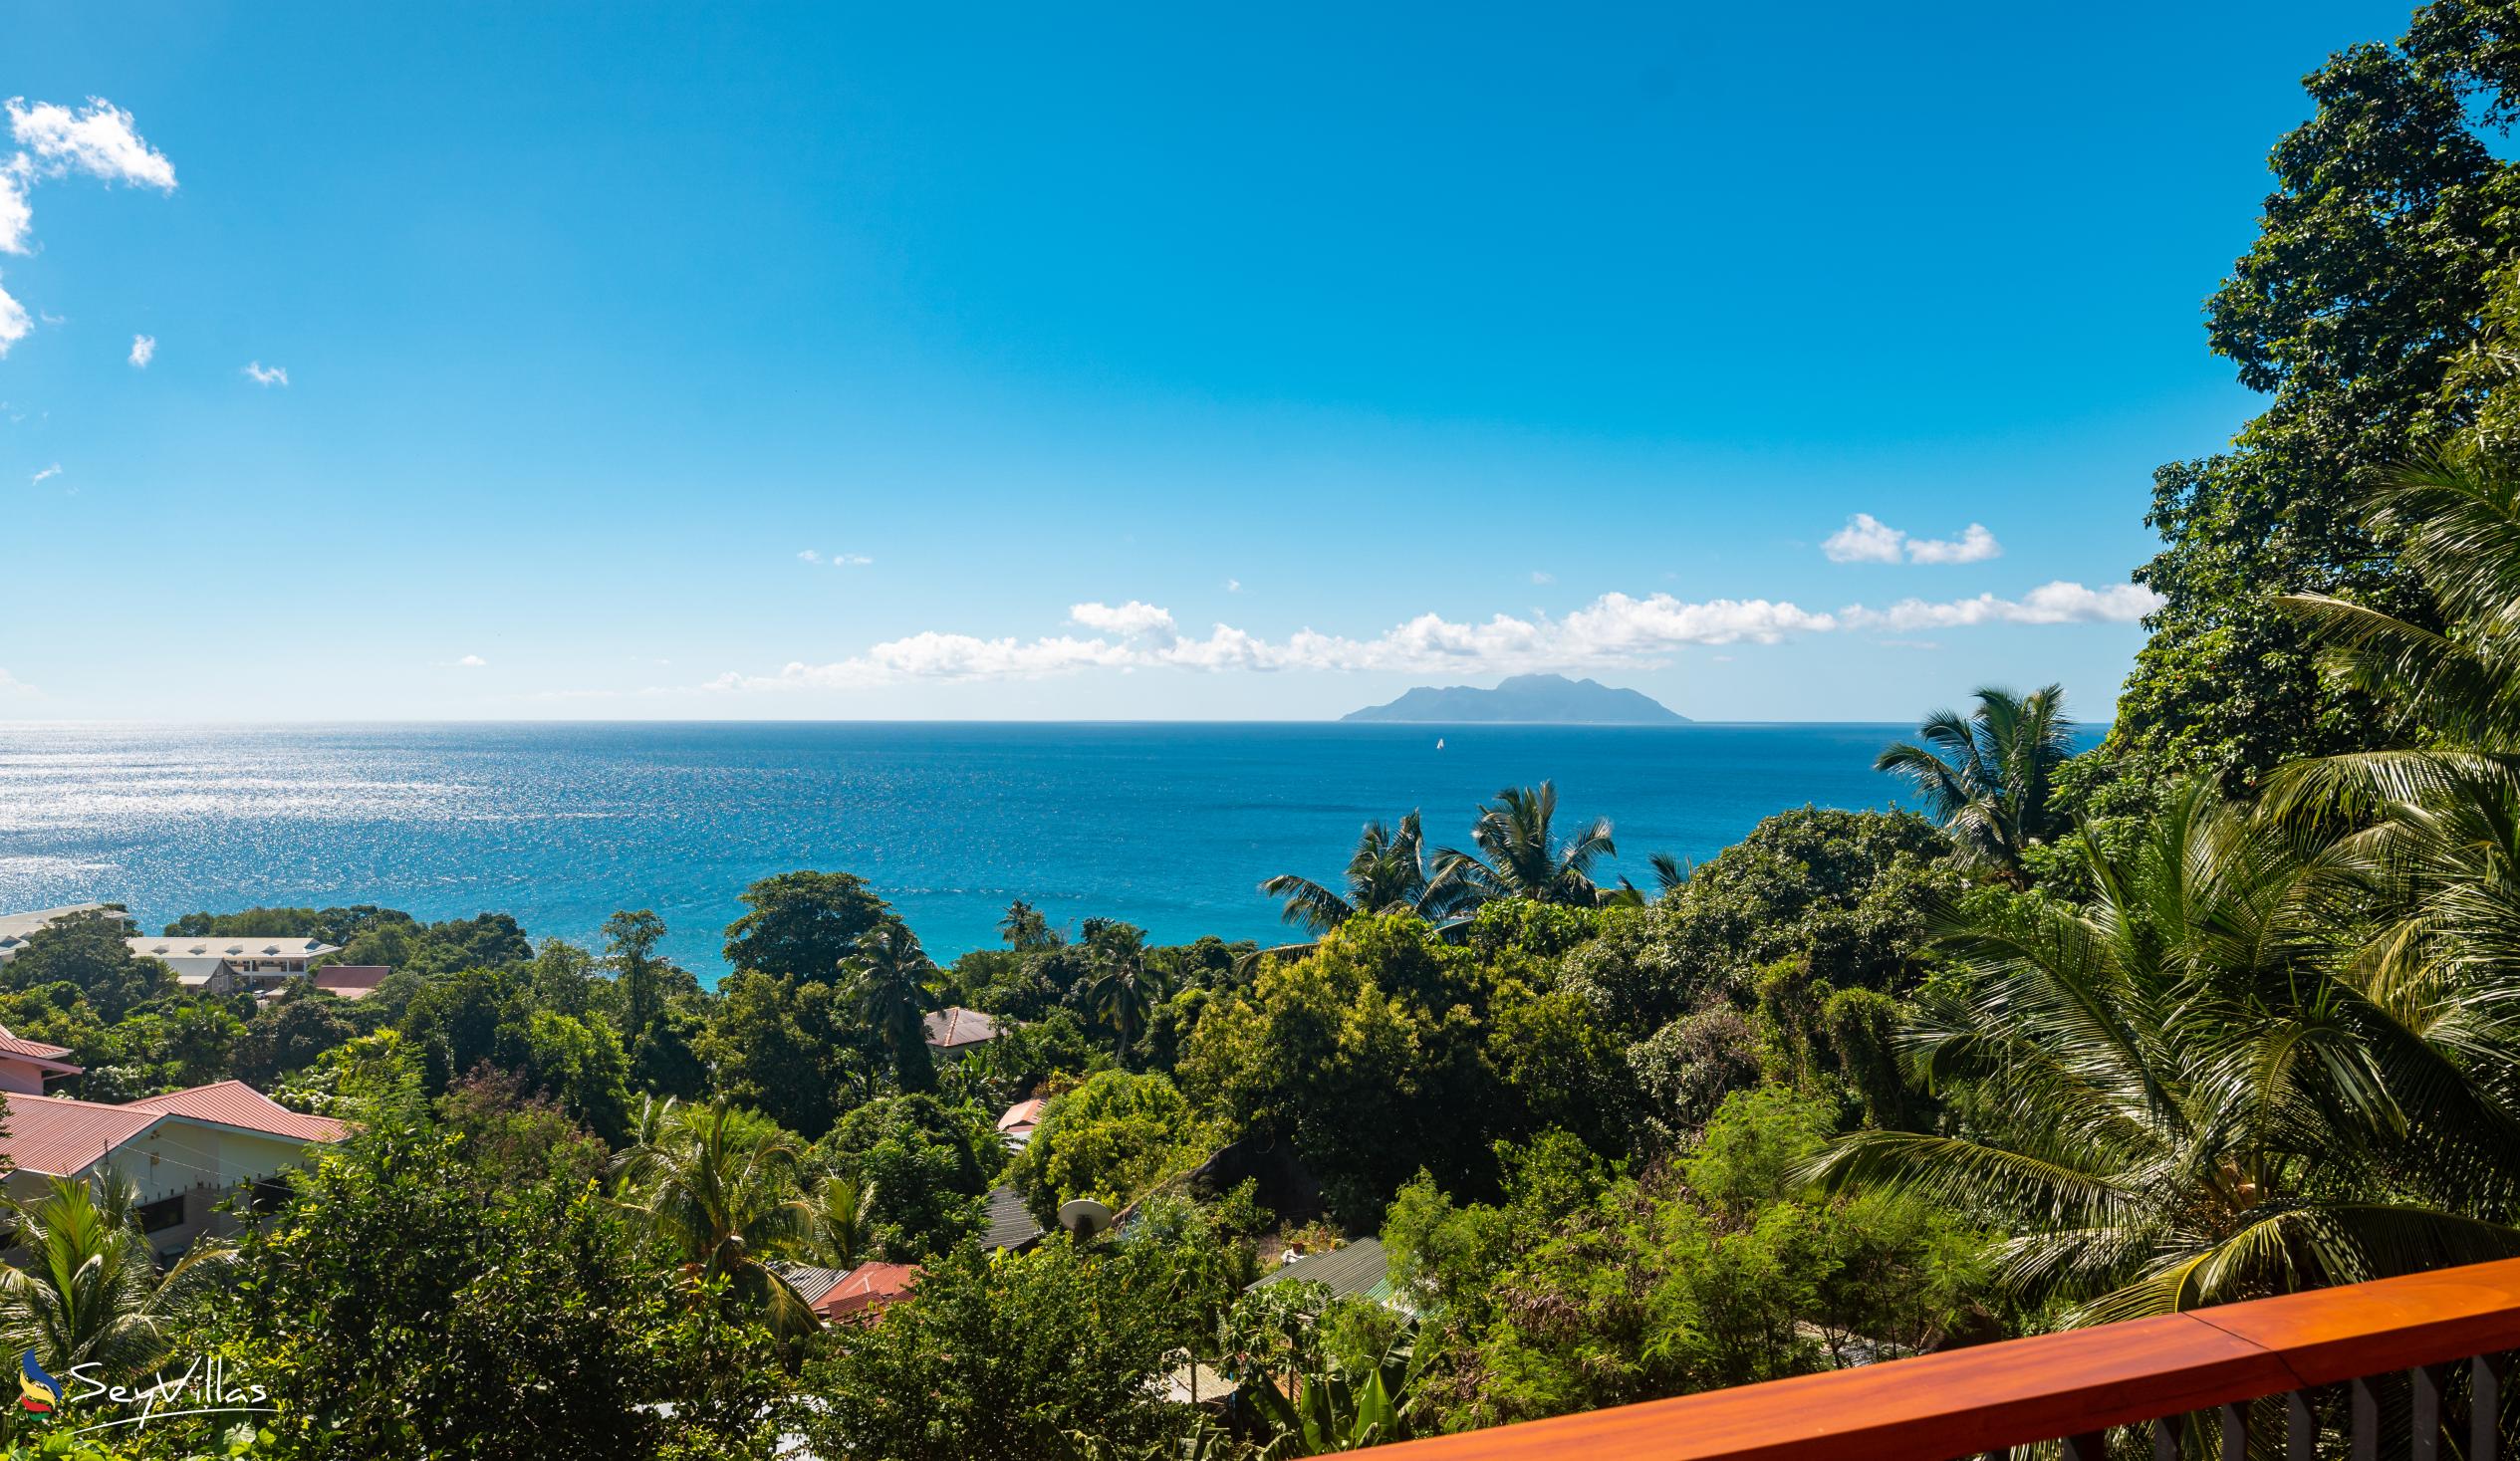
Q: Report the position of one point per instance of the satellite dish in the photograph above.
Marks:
(1085, 1217)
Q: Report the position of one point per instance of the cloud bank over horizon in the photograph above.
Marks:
(1613, 631)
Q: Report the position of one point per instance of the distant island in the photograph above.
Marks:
(1524, 699)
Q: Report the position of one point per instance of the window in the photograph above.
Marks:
(163, 1214)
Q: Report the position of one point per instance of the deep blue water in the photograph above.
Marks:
(1170, 827)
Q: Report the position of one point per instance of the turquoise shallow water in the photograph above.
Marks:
(1170, 827)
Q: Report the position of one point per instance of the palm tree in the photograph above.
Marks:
(1124, 988)
(2458, 524)
(1990, 777)
(892, 973)
(88, 1292)
(720, 1188)
(1523, 859)
(1386, 874)
(844, 1219)
(1025, 929)
(2211, 1083)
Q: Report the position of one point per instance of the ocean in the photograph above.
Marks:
(1170, 827)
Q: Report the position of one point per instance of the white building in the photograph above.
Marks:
(219, 964)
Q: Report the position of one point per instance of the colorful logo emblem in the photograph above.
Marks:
(37, 1391)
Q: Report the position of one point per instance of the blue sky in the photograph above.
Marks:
(1116, 362)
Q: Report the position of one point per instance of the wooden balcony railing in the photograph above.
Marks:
(2412, 1366)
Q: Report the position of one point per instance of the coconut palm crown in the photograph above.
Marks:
(1989, 777)
(1519, 855)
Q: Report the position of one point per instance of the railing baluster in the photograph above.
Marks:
(2090, 1445)
(2362, 1421)
(2423, 1424)
(2165, 1438)
(2235, 1430)
(2484, 1405)
(2301, 1427)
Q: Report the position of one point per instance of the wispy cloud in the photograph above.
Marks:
(12, 685)
(1540, 576)
(52, 142)
(17, 216)
(98, 140)
(14, 323)
(1614, 630)
(469, 662)
(1867, 539)
(837, 560)
(44, 476)
(143, 350)
(1233, 585)
(262, 375)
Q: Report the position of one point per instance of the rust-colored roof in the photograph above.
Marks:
(35, 1050)
(1022, 1113)
(956, 1026)
(352, 981)
(59, 1136)
(870, 1288)
(235, 1104)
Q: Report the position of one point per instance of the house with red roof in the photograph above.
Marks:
(1016, 1126)
(953, 1031)
(868, 1291)
(186, 1151)
(27, 1065)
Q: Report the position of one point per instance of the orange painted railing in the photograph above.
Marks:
(2420, 1357)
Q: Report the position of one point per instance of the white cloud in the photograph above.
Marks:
(99, 140)
(46, 475)
(1976, 545)
(810, 556)
(1540, 576)
(1616, 629)
(17, 219)
(2056, 603)
(1867, 539)
(14, 323)
(1128, 621)
(837, 560)
(266, 376)
(1233, 585)
(143, 350)
(12, 685)
(469, 662)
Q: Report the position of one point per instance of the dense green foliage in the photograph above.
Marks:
(2221, 1008)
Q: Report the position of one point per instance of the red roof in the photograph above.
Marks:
(59, 1136)
(870, 1288)
(955, 1026)
(352, 981)
(235, 1104)
(1022, 1113)
(36, 1050)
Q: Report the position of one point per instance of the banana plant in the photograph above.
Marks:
(1334, 1410)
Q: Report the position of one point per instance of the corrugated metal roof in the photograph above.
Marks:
(34, 1050)
(870, 1286)
(1360, 1270)
(811, 1284)
(956, 1026)
(1010, 1223)
(235, 1104)
(1022, 1113)
(59, 1136)
(352, 981)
